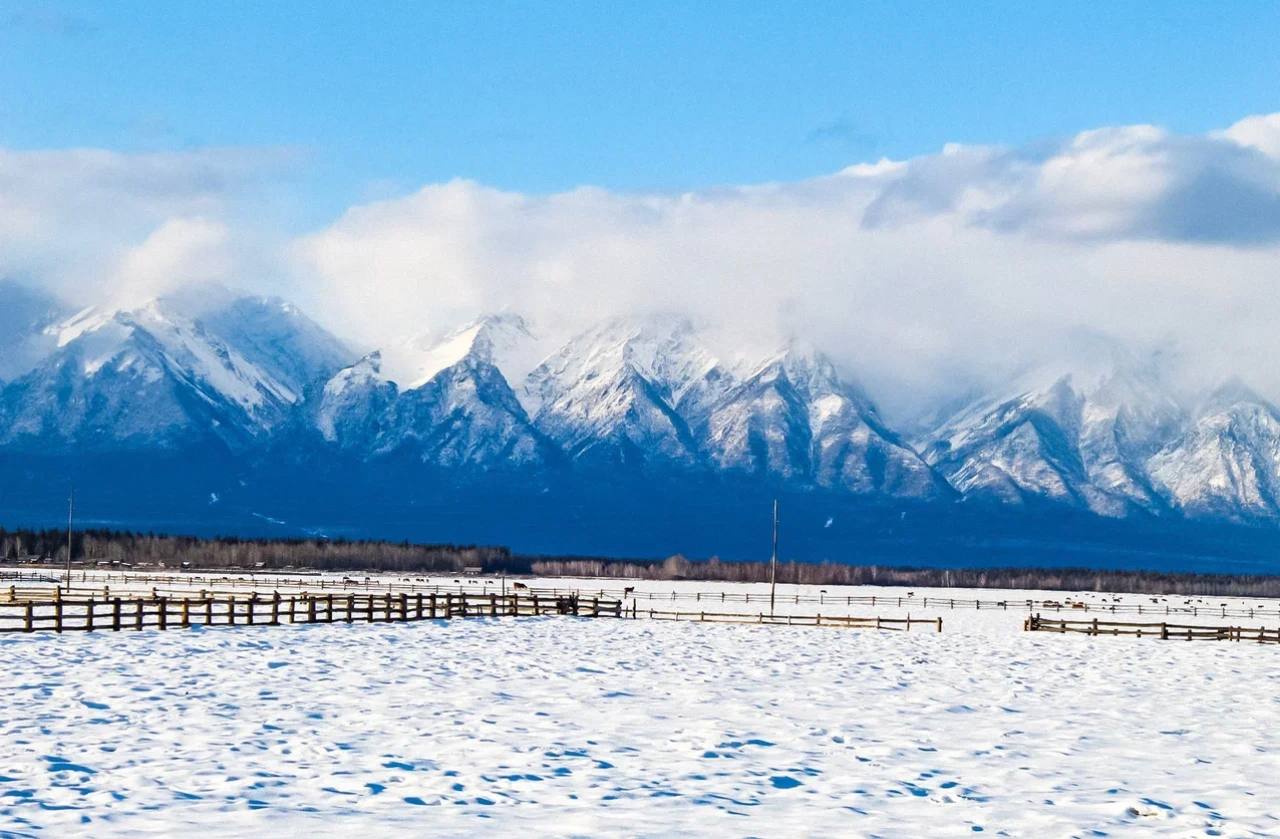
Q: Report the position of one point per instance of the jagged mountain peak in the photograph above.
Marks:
(1078, 431)
(1227, 463)
(503, 340)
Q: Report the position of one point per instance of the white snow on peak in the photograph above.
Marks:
(155, 338)
(503, 340)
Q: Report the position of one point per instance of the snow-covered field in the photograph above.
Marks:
(563, 726)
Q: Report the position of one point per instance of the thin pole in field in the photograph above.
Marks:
(71, 505)
(773, 560)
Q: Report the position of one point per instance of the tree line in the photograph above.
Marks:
(92, 546)
(829, 573)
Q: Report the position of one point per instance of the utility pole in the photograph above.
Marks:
(773, 561)
(71, 506)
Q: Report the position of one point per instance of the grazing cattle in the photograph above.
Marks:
(519, 587)
(459, 582)
(629, 590)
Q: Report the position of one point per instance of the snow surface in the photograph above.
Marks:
(563, 726)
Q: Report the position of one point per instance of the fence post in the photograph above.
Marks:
(418, 604)
(328, 608)
(115, 614)
(387, 606)
(404, 606)
(27, 624)
(311, 609)
(253, 598)
(368, 607)
(939, 624)
(208, 608)
(231, 610)
(88, 616)
(163, 612)
(138, 613)
(431, 598)
(275, 608)
(57, 613)
(351, 607)
(186, 612)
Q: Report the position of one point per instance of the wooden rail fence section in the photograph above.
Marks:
(1163, 631)
(74, 613)
(70, 614)
(846, 621)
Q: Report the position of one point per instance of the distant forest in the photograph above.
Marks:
(138, 549)
(148, 549)
(830, 573)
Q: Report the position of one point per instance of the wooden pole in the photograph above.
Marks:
(71, 505)
(773, 559)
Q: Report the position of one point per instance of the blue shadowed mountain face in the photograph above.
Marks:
(217, 413)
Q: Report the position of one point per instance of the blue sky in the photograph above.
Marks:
(380, 98)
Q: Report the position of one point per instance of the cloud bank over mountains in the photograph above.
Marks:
(926, 274)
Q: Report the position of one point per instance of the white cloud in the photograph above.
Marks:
(1258, 132)
(87, 223)
(917, 272)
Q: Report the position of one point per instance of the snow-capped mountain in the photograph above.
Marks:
(646, 397)
(794, 419)
(155, 375)
(614, 394)
(448, 403)
(1080, 437)
(1227, 464)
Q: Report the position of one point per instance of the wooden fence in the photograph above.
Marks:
(67, 614)
(845, 621)
(1163, 631)
(75, 613)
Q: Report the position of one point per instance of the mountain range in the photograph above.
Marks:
(241, 410)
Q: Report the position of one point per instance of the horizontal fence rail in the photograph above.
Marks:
(846, 621)
(1163, 631)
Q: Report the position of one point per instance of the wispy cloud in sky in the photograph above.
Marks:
(83, 222)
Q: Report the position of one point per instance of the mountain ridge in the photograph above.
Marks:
(627, 400)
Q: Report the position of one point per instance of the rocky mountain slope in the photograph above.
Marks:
(647, 397)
